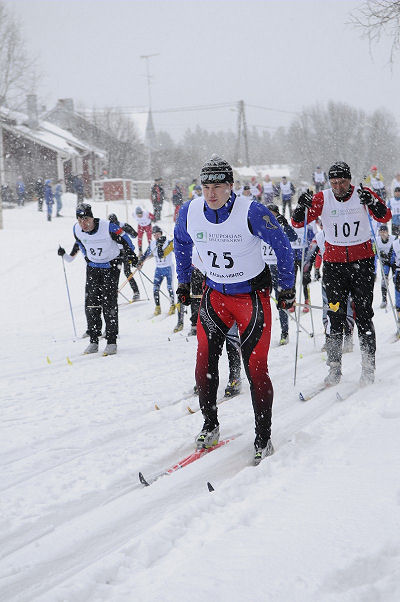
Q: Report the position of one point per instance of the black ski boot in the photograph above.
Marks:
(262, 450)
(233, 387)
(208, 437)
(334, 375)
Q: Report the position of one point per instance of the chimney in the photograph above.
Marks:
(31, 106)
(67, 104)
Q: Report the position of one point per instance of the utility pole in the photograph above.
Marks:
(242, 132)
(150, 132)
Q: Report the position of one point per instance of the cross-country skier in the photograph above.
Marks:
(286, 190)
(99, 241)
(319, 178)
(384, 242)
(348, 261)
(227, 232)
(162, 251)
(396, 251)
(144, 219)
(375, 181)
(124, 258)
(394, 206)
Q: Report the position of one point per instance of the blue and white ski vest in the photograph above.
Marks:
(229, 252)
(100, 247)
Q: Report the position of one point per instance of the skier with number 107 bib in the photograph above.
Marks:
(346, 213)
(227, 232)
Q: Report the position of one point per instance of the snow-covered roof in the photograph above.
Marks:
(10, 115)
(51, 128)
(47, 134)
(44, 138)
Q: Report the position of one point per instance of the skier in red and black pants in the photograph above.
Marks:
(346, 214)
(226, 232)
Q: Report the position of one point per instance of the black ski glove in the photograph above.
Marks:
(281, 219)
(305, 199)
(132, 258)
(129, 230)
(160, 250)
(183, 293)
(286, 298)
(366, 197)
(60, 251)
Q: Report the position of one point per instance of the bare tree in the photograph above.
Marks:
(338, 132)
(378, 17)
(118, 136)
(17, 70)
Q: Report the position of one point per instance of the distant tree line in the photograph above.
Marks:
(319, 135)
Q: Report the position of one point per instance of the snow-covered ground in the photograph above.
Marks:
(318, 521)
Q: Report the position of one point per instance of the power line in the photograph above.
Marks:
(128, 109)
(271, 109)
(221, 105)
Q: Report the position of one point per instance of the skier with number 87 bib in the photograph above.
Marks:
(346, 213)
(227, 231)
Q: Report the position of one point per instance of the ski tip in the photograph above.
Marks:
(210, 487)
(301, 396)
(338, 396)
(143, 480)
(156, 407)
(189, 409)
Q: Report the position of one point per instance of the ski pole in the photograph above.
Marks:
(301, 288)
(310, 334)
(69, 298)
(145, 289)
(127, 280)
(397, 322)
(311, 316)
(123, 296)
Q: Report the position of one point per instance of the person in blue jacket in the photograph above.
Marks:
(48, 198)
(384, 247)
(20, 190)
(58, 197)
(227, 232)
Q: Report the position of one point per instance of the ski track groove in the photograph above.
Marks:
(126, 527)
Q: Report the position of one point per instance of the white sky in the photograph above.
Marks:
(282, 55)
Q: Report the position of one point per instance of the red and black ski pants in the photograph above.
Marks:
(252, 313)
(141, 231)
